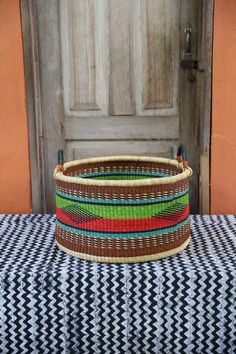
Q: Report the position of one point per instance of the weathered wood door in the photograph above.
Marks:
(108, 81)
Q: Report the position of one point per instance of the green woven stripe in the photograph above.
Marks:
(122, 201)
(120, 177)
(124, 212)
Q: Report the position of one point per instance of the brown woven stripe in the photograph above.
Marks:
(122, 247)
(123, 165)
(111, 192)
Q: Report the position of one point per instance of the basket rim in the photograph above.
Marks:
(59, 175)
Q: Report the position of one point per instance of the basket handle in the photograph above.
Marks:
(182, 156)
(60, 160)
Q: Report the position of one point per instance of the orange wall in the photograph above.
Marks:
(223, 167)
(14, 160)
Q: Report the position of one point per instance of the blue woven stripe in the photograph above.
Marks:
(122, 202)
(122, 235)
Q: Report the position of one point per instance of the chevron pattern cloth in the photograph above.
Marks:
(51, 302)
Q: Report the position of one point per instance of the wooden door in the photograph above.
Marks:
(108, 82)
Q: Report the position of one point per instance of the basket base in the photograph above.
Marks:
(146, 258)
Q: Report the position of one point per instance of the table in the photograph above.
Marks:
(51, 302)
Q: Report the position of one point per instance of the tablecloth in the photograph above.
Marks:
(51, 302)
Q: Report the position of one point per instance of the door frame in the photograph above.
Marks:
(204, 103)
(34, 107)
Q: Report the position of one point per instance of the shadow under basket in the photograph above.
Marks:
(122, 209)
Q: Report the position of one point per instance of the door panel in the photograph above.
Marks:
(121, 128)
(95, 148)
(84, 57)
(158, 48)
(121, 39)
(110, 80)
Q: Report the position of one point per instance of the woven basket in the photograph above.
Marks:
(122, 209)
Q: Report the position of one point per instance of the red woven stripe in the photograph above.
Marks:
(127, 225)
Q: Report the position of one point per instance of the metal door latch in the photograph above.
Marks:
(190, 64)
(188, 34)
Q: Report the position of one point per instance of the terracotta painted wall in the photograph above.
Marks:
(14, 157)
(223, 167)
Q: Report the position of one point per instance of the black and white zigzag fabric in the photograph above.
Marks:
(52, 303)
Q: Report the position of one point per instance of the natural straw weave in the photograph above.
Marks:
(122, 209)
